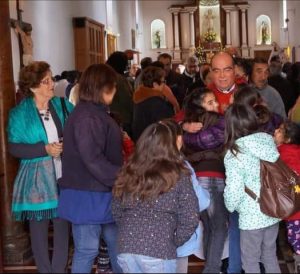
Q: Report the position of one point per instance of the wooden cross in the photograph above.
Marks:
(25, 27)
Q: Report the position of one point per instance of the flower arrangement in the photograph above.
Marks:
(200, 54)
(210, 36)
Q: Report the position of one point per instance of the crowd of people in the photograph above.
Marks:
(154, 162)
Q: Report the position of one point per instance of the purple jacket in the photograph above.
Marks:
(92, 153)
(209, 138)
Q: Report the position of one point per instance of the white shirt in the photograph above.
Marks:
(52, 136)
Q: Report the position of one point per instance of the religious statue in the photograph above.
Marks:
(264, 32)
(209, 20)
(27, 43)
(157, 39)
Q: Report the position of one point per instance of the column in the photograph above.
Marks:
(245, 48)
(175, 11)
(15, 241)
(228, 9)
(243, 9)
(191, 11)
(235, 27)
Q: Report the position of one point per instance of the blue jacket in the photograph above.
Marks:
(192, 245)
(92, 153)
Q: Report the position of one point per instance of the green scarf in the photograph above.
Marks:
(35, 191)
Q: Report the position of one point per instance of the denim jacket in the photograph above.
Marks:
(192, 245)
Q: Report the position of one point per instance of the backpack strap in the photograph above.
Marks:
(252, 194)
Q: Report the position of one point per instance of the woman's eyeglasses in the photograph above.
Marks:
(47, 81)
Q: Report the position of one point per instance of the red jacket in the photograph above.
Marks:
(223, 98)
(127, 147)
(290, 154)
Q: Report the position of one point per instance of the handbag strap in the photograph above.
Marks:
(64, 108)
(252, 194)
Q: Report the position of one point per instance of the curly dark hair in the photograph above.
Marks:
(155, 166)
(31, 76)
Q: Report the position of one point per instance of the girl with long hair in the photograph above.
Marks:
(154, 204)
(204, 151)
(246, 146)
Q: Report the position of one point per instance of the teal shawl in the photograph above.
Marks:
(35, 193)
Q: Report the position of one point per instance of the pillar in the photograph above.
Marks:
(175, 11)
(191, 11)
(245, 48)
(15, 242)
(235, 27)
(228, 24)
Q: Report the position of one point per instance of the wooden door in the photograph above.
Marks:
(111, 44)
(88, 42)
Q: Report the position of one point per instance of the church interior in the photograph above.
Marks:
(72, 35)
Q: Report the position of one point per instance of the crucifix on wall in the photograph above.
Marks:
(23, 30)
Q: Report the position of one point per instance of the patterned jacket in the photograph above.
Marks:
(244, 169)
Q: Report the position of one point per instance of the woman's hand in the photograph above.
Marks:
(54, 149)
(192, 127)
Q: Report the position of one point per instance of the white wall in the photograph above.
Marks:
(157, 10)
(53, 31)
(270, 8)
(126, 16)
(293, 13)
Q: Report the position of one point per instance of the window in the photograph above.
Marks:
(158, 34)
(263, 30)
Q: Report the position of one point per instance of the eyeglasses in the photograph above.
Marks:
(47, 81)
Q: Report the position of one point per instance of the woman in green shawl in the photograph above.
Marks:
(35, 129)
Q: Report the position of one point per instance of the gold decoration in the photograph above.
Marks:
(297, 189)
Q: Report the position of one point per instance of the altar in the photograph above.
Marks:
(213, 26)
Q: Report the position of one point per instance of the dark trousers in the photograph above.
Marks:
(39, 245)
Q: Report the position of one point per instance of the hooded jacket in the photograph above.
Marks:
(244, 169)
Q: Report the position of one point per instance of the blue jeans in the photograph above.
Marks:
(86, 241)
(215, 220)
(234, 262)
(133, 263)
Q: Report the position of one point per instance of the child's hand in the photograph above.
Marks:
(192, 127)
(125, 135)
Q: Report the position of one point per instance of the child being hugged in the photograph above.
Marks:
(287, 139)
(154, 204)
(204, 151)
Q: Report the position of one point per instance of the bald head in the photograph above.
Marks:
(223, 56)
(222, 67)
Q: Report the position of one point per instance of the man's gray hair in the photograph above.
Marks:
(192, 60)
